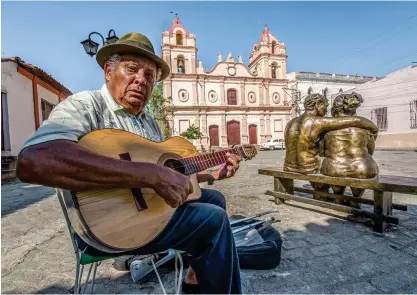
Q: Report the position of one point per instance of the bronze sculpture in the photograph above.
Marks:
(303, 133)
(348, 152)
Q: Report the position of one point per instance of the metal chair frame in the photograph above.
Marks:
(78, 253)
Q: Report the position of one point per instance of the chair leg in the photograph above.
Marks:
(94, 276)
(88, 278)
(78, 276)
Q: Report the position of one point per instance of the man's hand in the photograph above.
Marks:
(173, 187)
(229, 168)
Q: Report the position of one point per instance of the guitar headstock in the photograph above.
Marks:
(250, 150)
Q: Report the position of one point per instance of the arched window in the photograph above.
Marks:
(274, 71)
(180, 64)
(325, 91)
(179, 37)
(310, 91)
(273, 46)
(231, 97)
(340, 90)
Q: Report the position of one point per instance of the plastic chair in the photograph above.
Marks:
(83, 259)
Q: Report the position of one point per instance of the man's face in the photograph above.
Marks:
(131, 82)
(321, 108)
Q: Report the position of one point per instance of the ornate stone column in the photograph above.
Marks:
(202, 97)
(167, 57)
(283, 70)
(262, 117)
(242, 94)
(267, 69)
(268, 127)
(204, 138)
(261, 94)
(245, 137)
(267, 94)
(193, 64)
(167, 88)
(224, 131)
(222, 93)
(195, 94)
(197, 124)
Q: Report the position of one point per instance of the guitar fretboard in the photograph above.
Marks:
(202, 162)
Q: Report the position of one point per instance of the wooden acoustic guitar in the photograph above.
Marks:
(119, 220)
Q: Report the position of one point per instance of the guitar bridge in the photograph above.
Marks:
(137, 192)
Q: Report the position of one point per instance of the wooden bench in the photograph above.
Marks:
(383, 187)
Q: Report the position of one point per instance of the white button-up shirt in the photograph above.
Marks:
(86, 111)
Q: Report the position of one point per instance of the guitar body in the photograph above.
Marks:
(114, 220)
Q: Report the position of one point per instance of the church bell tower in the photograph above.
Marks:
(179, 49)
(268, 58)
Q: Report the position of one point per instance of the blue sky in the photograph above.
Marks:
(365, 38)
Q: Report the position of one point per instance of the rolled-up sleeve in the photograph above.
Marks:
(69, 120)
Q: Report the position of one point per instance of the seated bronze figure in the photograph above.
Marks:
(303, 133)
(348, 152)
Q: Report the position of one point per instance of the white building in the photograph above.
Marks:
(28, 95)
(391, 103)
(305, 83)
(231, 103)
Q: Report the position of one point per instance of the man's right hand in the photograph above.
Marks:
(173, 187)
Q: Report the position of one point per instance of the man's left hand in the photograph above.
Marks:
(228, 169)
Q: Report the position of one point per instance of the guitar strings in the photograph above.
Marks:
(193, 163)
(186, 165)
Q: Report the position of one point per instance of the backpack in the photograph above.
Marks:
(258, 247)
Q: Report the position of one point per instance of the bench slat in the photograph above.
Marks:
(398, 184)
(346, 209)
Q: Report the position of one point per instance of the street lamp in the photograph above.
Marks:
(91, 47)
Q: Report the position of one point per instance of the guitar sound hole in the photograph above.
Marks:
(175, 164)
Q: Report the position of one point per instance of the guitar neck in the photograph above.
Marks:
(203, 162)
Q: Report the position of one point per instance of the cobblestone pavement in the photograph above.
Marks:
(322, 252)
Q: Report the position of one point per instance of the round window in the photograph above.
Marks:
(252, 97)
(212, 96)
(276, 98)
(183, 95)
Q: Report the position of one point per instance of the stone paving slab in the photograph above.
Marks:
(322, 252)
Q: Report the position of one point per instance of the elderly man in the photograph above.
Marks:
(53, 158)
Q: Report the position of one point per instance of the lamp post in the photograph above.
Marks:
(91, 47)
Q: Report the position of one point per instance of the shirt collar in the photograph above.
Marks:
(113, 105)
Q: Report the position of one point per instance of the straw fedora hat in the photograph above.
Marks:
(133, 43)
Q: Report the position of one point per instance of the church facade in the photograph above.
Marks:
(232, 103)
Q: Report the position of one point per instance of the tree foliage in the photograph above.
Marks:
(193, 132)
(157, 106)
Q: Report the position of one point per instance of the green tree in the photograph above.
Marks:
(157, 106)
(193, 132)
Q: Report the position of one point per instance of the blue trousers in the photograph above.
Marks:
(202, 229)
